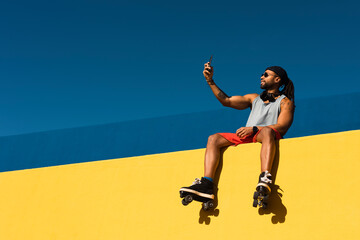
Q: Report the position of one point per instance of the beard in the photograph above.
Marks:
(264, 86)
(267, 86)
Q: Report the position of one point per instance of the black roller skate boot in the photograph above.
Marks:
(201, 191)
(263, 190)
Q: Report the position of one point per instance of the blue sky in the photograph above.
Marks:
(77, 63)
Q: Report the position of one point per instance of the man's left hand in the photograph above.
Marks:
(244, 131)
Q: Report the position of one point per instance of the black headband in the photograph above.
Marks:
(280, 72)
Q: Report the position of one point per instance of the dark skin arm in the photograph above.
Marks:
(285, 118)
(237, 102)
(283, 124)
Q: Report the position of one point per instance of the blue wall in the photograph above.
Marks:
(165, 134)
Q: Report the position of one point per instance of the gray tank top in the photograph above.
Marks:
(264, 114)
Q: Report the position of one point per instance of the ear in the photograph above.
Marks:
(277, 79)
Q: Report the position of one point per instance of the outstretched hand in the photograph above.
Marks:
(208, 72)
(244, 131)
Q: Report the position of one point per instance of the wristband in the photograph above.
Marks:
(255, 130)
(210, 82)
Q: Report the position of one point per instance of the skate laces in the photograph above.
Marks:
(265, 178)
(197, 181)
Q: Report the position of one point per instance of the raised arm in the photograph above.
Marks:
(237, 102)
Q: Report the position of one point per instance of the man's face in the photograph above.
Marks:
(268, 80)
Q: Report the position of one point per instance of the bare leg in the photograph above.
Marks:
(267, 138)
(212, 155)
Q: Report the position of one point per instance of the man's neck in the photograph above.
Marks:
(273, 91)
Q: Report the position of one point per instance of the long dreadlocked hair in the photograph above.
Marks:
(288, 90)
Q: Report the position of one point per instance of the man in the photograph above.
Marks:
(271, 116)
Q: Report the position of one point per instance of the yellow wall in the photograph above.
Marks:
(138, 198)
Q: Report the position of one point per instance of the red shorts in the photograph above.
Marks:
(235, 140)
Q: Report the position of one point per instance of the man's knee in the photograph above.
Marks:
(217, 140)
(213, 139)
(266, 133)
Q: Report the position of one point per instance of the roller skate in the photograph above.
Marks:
(201, 191)
(263, 190)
